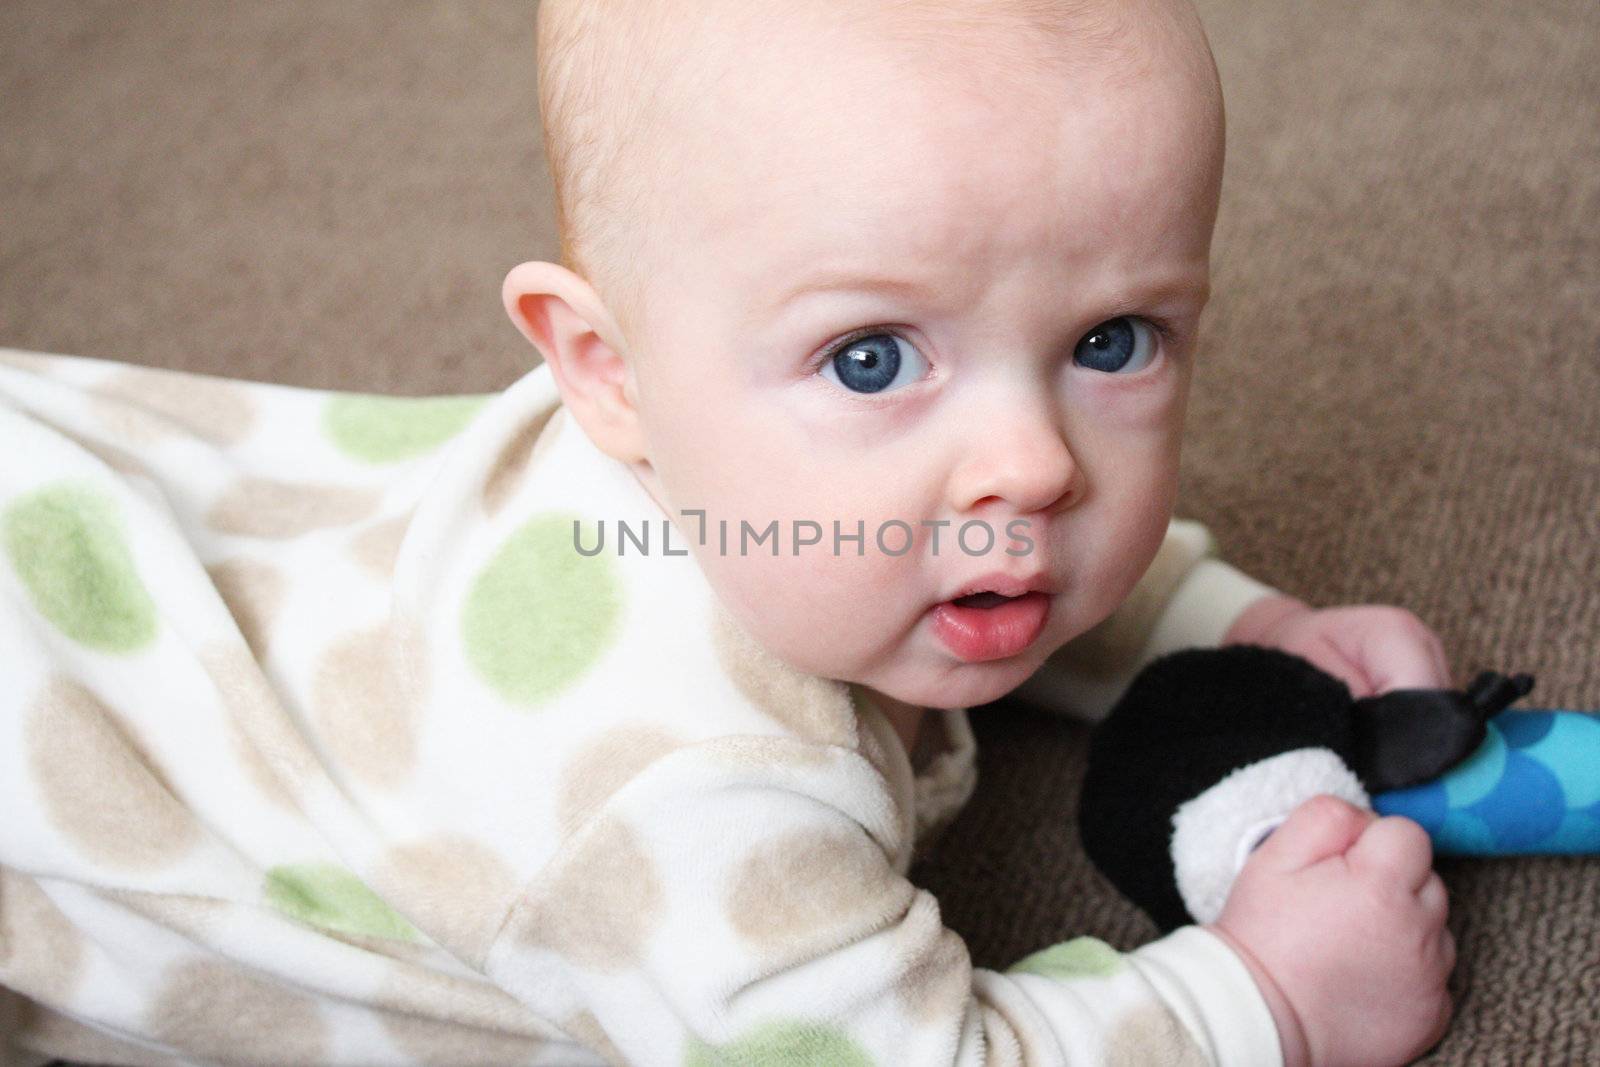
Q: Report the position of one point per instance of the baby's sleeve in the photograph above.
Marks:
(1187, 598)
(736, 902)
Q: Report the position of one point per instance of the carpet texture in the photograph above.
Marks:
(1398, 396)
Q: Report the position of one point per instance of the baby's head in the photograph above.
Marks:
(900, 265)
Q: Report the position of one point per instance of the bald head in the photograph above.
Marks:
(637, 94)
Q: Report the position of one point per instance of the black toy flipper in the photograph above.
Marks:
(1408, 736)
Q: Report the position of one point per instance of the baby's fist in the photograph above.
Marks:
(1344, 914)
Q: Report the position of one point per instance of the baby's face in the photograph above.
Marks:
(898, 292)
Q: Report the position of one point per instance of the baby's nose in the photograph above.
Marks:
(1026, 464)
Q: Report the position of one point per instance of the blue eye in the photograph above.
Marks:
(874, 363)
(1115, 343)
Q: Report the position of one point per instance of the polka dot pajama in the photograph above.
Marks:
(320, 744)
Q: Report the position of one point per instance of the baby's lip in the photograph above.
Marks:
(1006, 585)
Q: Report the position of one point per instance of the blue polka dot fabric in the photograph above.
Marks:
(1532, 787)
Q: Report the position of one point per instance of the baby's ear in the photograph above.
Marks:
(563, 317)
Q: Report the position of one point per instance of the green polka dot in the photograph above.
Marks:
(1082, 957)
(781, 1044)
(327, 895)
(384, 429)
(540, 614)
(66, 544)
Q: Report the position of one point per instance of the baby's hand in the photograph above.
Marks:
(1372, 648)
(1341, 920)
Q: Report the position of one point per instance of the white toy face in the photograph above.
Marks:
(1214, 833)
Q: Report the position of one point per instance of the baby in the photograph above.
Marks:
(600, 720)
(945, 261)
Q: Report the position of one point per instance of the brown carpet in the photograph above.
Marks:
(1399, 397)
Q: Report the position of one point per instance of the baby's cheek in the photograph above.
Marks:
(822, 613)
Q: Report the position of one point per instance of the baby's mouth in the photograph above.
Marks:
(982, 600)
(989, 625)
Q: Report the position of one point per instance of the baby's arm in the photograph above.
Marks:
(1187, 597)
(734, 901)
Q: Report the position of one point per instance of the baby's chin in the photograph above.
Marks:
(962, 685)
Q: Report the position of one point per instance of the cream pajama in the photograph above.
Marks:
(319, 744)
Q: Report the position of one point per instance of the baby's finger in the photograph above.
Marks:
(1441, 658)
(1402, 654)
(1442, 1025)
(1321, 827)
(1434, 897)
(1446, 948)
(1395, 849)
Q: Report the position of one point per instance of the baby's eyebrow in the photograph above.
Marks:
(1195, 285)
(854, 281)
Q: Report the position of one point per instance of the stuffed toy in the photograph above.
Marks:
(1209, 750)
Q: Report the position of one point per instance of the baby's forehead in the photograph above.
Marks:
(724, 116)
(818, 69)
(842, 89)
(969, 42)
(992, 37)
(823, 148)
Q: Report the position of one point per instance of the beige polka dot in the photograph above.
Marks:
(758, 753)
(416, 952)
(455, 889)
(147, 403)
(193, 915)
(817, 709)
(257, 769)
(253, 592)
(41, 952)
(1112, 647)
(40, 1027)
(603, 766)
(1003, 1047)
(443, 1019)
(586, 1030)
(99, 786)
(430, 993)
(440, 1043)
(362, 709)
(1152, 1035)
(938, 979)
(377, 546)
(117, 459)
(268, 508)
(881, 748)
(599, 904)
(214, 1010)
(807, 890)
(254, 711)
(518, 456)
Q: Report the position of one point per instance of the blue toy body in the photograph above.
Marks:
(1533, 786)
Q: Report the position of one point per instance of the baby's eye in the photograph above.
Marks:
(1117, 343)
(874, 363)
